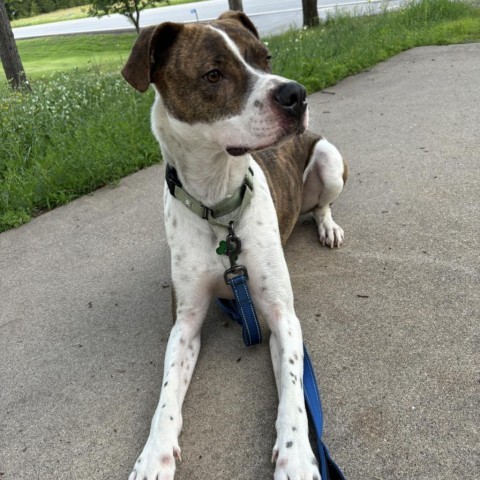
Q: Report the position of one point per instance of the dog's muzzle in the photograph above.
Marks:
(292, 98)
(290, 102)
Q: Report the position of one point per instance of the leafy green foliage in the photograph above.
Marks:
(129, 8)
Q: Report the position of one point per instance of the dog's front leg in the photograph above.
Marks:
(292, 451)
(157, 460)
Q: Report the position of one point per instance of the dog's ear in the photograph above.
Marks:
(149, 51)
(241, 18)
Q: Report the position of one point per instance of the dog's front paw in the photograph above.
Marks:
(330, 234)
(156, 463)
(295, 461)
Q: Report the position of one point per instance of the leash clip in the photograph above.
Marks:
(233, 246)
(235, 271)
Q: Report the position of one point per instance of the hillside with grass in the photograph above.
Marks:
(28, 8)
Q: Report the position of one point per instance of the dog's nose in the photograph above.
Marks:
(292, 97)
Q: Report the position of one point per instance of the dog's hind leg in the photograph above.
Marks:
(323, 181)
(157, 460)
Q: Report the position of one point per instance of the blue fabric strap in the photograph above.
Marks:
(245, 311)
(246, 317)
(328, 469)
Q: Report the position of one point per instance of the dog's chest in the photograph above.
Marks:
(194, 243)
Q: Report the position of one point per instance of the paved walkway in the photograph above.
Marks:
(391, 319)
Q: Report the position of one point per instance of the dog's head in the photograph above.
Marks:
(215, 79)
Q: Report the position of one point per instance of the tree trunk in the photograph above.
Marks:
(235, 5)
(136, 20)
(310, 13)
(134, 17)
(12, 64)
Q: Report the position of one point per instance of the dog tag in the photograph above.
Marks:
(222, 248)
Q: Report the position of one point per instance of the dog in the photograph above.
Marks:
(219, 113)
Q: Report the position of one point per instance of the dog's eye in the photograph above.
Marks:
(213, 76)
(268, 63)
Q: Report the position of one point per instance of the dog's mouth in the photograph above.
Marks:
(239, 151)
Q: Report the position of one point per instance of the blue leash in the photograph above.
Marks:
(242, 311)
(328, 468)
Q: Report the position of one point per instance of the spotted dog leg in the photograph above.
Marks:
(157, 460)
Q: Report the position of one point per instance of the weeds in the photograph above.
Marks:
(69, 137)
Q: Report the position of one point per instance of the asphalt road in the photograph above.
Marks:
(270, 16)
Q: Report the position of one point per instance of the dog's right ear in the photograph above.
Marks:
(241, 18)
(149, 52)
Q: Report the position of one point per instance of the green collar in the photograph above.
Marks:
(238, 200)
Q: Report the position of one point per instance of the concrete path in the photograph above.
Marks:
(391, 319)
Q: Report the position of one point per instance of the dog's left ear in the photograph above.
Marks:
(241, 18)
(149, 50)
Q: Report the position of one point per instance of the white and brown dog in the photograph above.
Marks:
(218, 111)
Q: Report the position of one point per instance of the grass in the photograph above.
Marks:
(57, 16)
(82, 53)
(75, 13)
(70, 136)
(87, 128)
(346, 44)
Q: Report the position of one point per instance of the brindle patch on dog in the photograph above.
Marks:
(286, 180)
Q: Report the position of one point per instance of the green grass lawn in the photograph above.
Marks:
(51, 17)
(98, 53)
(86, 128)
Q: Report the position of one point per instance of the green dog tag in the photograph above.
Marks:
(222, 248)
